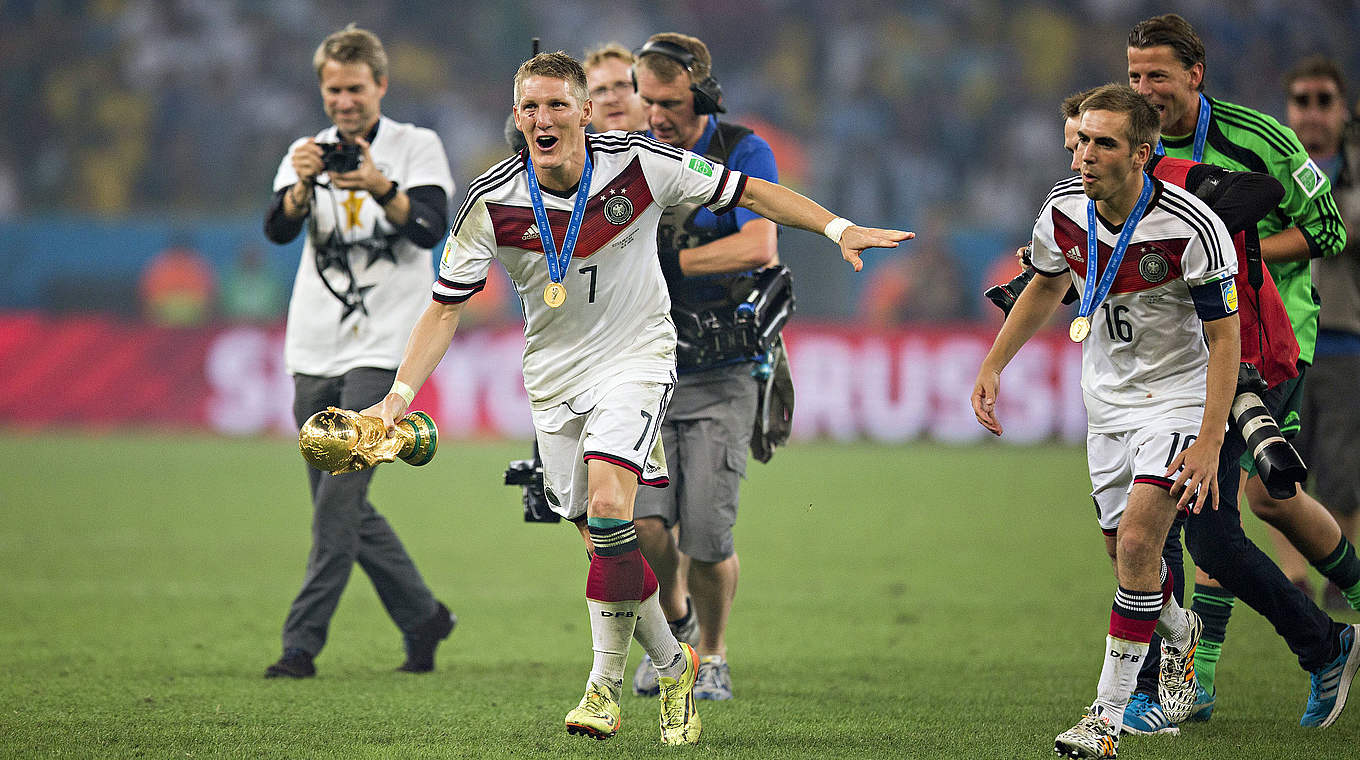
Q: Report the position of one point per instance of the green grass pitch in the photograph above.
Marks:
(895, 602)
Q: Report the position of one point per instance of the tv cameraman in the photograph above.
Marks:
(373, 195)
(708, 424)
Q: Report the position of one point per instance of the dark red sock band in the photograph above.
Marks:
(620, 578)
(649, 584)
(1130, 629)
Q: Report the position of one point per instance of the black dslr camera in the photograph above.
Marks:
(528, 474)
(1004, 296)
(340, 157)
(1278, 464)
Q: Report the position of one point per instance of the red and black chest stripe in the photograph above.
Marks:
(1146, 265)
(607, 214)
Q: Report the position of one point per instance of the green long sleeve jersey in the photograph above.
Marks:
(1242, 139)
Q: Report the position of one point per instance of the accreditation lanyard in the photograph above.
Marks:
(557, 263)
(1093, 294)
(1201, 131)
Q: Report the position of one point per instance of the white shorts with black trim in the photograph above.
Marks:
(1118, 460)
(620, 425)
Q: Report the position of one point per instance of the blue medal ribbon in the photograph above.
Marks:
(1201, 131)
(557, 263)
(1092, 294)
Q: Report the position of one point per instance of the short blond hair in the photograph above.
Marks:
(667, 68)
(598, 55)
(352, 45)
(557, 65)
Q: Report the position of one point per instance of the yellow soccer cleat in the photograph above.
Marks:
(597, 716)
(679, 719)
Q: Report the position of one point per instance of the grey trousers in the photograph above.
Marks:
(347, 529)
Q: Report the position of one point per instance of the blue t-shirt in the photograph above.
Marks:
(750, 156)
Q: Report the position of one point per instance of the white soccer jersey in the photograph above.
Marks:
(616, 322)
(1146, 353)
(354, 305)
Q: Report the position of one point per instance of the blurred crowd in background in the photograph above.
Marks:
(143, 135)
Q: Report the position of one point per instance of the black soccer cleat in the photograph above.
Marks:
(294, 663)
(420, 645)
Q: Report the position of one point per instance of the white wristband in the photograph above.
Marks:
(403, 390)
(837, 227)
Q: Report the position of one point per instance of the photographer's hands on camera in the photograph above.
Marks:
(309, 162)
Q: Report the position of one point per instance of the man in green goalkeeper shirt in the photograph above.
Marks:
(1166, 64)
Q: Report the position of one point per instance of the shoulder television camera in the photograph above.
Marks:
(1005, 295)
(528, 475)
(340, 157)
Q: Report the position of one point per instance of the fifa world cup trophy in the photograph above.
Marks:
(340, 440)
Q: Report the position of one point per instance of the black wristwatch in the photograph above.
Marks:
(387, 197)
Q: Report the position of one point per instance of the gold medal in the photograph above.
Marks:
(554, 295)
(1081, 327)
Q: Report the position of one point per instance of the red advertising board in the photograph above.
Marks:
(890, 386)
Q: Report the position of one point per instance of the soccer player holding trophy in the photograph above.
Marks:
(573, 219)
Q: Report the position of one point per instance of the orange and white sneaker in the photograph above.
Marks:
(1093, 737)
(1177, 689)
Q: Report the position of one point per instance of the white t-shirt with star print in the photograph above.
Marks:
(361, 285)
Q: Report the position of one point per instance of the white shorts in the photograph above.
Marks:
(620, 425)
(1118, 460)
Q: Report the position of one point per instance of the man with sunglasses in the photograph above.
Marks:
(1166, 63)
(1317, 112)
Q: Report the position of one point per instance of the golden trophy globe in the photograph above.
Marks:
(340, 440)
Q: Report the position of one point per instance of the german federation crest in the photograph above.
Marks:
(618, 210)
(1153, 267)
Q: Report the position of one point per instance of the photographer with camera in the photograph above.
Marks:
(373, 196)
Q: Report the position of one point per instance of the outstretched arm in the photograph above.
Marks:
(783, 206)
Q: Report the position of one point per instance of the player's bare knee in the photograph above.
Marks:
(1136, 545)
(610, 502)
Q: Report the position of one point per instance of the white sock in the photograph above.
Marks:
(611, 631)
(654, 634)
(1118, 677)
(1173, 626)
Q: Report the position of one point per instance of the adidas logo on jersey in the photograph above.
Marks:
(531, 233)
(1074, 253)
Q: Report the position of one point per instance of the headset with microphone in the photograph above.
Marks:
(707, 93)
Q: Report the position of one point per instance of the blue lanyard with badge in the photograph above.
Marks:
(556, 294)
(1092, 294)
(1201, 131)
